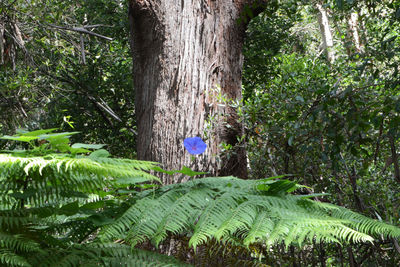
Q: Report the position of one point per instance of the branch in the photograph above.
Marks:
(103, 105)
(82, 30)
(99, 110)
(102, 108)
(96, 25)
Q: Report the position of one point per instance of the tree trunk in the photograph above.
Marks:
(353, 32)
(187, 58)
(327, 39)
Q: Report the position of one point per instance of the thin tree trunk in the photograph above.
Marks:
(322, 255)
(339, 249)
(394, 158)
(187, 58)
(293, 256)
(326, 33)
(353, 32)
(352, 260)
(2, 41)
(396, 245)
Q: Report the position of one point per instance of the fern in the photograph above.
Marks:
(96, 254)
(253, 211)
(18, 243)
(125, 256)
(9, 258)
(65, 205)
(52, 202)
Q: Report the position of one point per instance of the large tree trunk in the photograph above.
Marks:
(187, 54)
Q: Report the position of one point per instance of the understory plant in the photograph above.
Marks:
(74, 205)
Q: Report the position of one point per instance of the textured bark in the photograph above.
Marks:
(186, 53)
(326, 33)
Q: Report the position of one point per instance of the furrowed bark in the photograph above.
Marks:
(188, 58)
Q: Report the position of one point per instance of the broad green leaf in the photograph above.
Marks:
(189, 172)
(87, 146)
(62, 147)
(39, 132)
(131, 180)
(78, 150)
(314, 195)
(70, 208)
(21, 131)
(185, 170)
(19, 138)
(101, 153)
(159, 169)
(282, 186)
(275, 177)
(93, 205)
(16, 151)
(262, 187)
(99, 220)
(56, 135)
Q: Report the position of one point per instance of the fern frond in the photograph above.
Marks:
(122, 255)
(227, 207)
(49, 205)
(358, 221)
(66, 210)
(179, 212)
(10, 165)
(14, 219)
(8, 258)
(212, 218)
(38, 180)
(17, 243)
(260, 228)
(103, 254)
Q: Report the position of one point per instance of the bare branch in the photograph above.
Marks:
(96, 25)
(81, 30)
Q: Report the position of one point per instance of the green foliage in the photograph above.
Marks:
(267, 35)
(52, 200)
(334, 124)
(68, 205)
(47, 78)
(228, 208)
